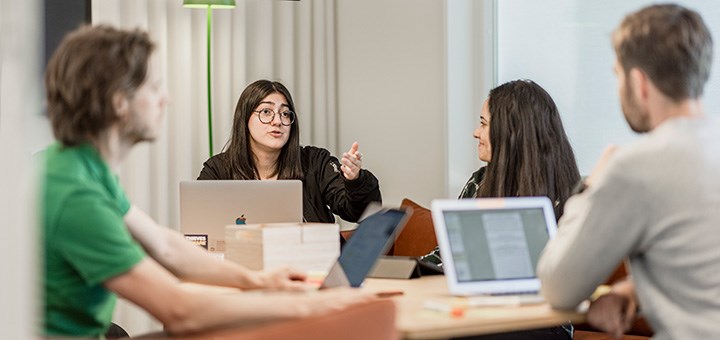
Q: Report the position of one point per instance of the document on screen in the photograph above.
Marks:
(508, 245)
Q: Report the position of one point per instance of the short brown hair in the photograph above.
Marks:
(91, 65)
(671, 44)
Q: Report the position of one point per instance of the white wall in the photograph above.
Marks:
(391, 93)
(19, 104)
(574, 63)
(470, 72)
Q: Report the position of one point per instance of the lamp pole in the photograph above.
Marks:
(209, 4)
(209, 98)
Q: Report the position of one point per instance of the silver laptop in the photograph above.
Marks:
(206, 207)
(491, 246)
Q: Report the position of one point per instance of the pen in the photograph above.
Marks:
(389, 293)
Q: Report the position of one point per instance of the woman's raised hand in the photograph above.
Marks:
(351, 162)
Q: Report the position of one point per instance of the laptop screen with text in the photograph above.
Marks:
(496, 244)
(492, 245)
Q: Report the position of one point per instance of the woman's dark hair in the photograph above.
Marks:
(242, 160)
(531, 155)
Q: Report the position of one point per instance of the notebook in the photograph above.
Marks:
(491, 246)
(372, 238)
(206, 207)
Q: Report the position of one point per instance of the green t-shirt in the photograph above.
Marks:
(86, 241)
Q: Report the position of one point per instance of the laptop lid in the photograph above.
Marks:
(206, 207)
(492, 245)
(372, 238)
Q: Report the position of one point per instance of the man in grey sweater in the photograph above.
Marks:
(655, 202)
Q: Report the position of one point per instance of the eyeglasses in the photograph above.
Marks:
(266, 116)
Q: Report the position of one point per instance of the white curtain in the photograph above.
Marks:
(20, 112)
(289, 41)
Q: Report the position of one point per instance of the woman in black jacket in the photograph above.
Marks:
(526, 148)
(522, 139)
(265, 145)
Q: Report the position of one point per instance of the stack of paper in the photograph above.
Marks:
(306, 246)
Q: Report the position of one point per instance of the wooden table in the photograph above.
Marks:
(416, 321)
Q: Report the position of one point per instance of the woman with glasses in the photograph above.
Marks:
(265, 145)
(522, 140)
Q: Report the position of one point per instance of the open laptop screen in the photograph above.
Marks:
(496, 243)
(371, 239)
(206, 207)
(492, 245)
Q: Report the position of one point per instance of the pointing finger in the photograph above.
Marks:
(354, 148)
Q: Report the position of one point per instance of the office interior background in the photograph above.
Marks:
(404, 78)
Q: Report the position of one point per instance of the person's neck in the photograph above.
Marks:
(266, 163)
(667, 109)
(112, 148)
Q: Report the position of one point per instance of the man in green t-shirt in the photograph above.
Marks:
(104, 96)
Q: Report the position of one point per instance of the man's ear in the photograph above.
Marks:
(639, 82)
(120, 103)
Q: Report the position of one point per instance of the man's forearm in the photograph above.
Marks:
(184, 259)
(191, 263)
(182, 310)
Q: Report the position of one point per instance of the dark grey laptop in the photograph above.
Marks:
(371, 239)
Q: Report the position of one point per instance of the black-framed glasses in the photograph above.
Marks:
(267, 115)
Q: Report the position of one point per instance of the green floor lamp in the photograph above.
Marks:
(209, 5)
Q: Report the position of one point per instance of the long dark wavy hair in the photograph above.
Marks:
(531, 154)
(242, 160)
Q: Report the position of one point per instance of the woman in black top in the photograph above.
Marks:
(265, 145)
(522, 139)
(526, 148)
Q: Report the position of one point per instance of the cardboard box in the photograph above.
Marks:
(306, 246)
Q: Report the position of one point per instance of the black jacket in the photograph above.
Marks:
(325, 189)
(473, 184)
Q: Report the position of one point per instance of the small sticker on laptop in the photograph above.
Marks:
(198, 239)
